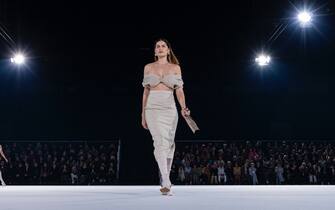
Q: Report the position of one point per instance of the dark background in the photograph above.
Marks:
(84, 73)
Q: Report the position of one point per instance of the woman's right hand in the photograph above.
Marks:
(144, 123)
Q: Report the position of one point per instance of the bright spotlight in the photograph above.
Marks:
(263, 60)
(18, 59)
(305, 18)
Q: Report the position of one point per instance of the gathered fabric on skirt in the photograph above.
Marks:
(162, 117)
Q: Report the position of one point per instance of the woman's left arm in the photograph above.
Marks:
(181, 97)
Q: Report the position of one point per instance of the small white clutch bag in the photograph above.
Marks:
(191, 123)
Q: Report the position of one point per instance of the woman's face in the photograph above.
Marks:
(161, 49)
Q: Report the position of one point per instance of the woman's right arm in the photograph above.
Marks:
(144, 99)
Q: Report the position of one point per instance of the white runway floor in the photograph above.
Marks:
(149, 198)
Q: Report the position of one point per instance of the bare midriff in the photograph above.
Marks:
(161, 86)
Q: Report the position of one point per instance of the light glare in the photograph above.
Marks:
(263, 60)
(18, 59)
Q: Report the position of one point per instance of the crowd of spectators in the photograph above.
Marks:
(212, 163)
(64, 163)
(254, 163)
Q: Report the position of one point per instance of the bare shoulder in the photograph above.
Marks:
(148, 68)
(176, 68)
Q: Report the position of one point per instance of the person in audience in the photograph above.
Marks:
(2, 155)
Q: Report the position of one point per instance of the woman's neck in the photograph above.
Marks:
(162, 60)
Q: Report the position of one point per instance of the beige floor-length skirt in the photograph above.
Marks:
(162, 117)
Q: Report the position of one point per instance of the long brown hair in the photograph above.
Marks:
(171, 57)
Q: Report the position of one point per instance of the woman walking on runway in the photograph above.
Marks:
(159, 113)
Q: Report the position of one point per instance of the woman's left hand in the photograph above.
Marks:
(185, 112)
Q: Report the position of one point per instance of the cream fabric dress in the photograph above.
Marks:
(162, 118)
